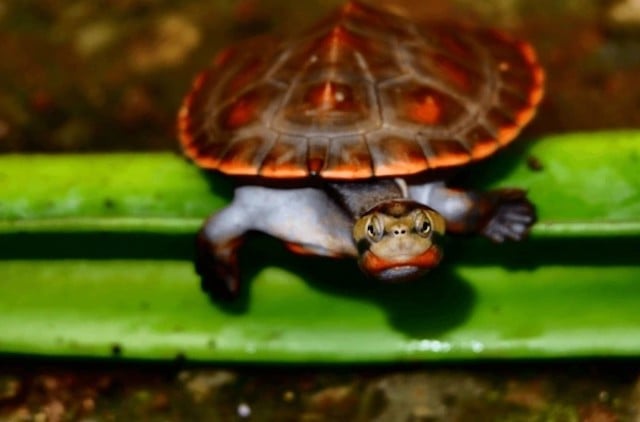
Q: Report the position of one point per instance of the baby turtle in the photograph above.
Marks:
(339, 139)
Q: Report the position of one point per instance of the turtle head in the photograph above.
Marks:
(399, 240)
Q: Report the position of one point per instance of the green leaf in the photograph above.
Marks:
(95, 260)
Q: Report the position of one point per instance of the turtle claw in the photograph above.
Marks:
(512, 216)
(219, 274)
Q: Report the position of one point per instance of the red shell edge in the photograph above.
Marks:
(506, 133)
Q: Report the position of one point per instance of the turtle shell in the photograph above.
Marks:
(362, 94)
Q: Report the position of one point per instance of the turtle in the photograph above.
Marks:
(341, 141)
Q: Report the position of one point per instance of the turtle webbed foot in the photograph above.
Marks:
(512, 215)
(218, 269)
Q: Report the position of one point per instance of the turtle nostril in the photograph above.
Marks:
(399, 231)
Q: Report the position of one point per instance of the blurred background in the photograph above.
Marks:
(84, 75)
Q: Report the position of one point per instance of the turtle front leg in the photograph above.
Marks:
(306, 219)
(505, 214)
(217, 247)
(501, 214)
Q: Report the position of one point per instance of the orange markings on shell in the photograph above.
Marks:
(423, 108)
(455, 74)
(286, 160)
(506, 126)
(315, 164)
(507, 132)
(330, 96)
(317, 150)
(185, 127)
(323, 106)
(187, 112)
(447, 153)
(183, 124)
(527, 52)
(425, 105)
(333, 45)
(484, 143)
(241, 158)
(241, 112)
(347, 38)
(459, 76)
(339, 37)
(401, 156)
(513, 102)
(524, 117)
(348, 158)
(536, 94)
(354, 170)
(205, 153)
(287, 170)
(422, 96)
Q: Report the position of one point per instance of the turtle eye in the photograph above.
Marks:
(374, 228)
(422, 224)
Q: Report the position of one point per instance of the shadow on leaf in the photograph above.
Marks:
(427, 307)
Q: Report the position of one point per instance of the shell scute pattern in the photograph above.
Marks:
(362, 94)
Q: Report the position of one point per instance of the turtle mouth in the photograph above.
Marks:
(394, 270)
(401, 274)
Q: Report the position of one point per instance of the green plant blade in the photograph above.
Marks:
(95, 260)
(152, 309)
